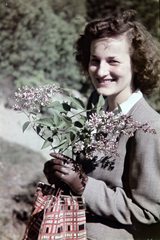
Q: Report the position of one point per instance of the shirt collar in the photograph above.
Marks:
(129, 103)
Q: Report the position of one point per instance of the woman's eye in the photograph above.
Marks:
(94, 60)
(113, 61)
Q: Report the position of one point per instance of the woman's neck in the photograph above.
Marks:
(113, 102)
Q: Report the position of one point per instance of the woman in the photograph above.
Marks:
(123, 198)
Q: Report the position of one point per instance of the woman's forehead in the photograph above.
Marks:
(118, 43)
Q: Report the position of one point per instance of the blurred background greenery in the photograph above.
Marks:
(37, 36)
(36, 47)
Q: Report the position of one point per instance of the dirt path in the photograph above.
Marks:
(11, 123)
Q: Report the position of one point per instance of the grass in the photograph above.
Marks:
(20, 171)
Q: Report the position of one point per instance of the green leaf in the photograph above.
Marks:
(65, 122)
(119, 108)
(100, 103)
(60, 108)
(73, 142)
(25, 125)
(87, 141)
(67, 119)
(78, 102)
(56, 118)
(101, 112)
(46, 143)
(48, 134)
(73, 129)
(93, 106)
(66, 107)
(64, 137)
(54, 104)
(82, 120)
(62, 125)
(63, 144)
(78, 124)
(86, 129)
(68, 91)
(72, 136)
(38, 129)
(48, 122)
(57, 139)
(72, 105)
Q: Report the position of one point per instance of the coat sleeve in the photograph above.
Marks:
(139, 199)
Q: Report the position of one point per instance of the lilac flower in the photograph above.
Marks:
(78, 147)
(31, 99)
(106, 130)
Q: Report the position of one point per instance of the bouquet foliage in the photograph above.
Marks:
(68, 126)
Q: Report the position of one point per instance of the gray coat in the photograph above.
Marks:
(123, 198)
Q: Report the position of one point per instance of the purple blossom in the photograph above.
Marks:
(78, 146)
(31, 99)
(106, 130)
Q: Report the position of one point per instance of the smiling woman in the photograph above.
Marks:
(122, 191)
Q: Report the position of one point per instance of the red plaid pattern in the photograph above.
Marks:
(64, 219)
(63, 216)
(43, 194)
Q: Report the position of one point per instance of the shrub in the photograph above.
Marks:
(36, 44)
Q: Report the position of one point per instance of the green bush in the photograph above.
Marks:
(70, 8)
(36, 45)
(154, 101)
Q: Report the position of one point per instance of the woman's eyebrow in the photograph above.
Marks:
(110, 57)
(94, 56)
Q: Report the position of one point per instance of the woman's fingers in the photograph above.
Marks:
(60, 156)
(49, 165)
(56, 165)
(57, 161)
(60, 168)
(57, 168)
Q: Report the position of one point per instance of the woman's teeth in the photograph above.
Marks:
(105, 81)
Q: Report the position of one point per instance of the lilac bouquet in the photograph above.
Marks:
(68, 126)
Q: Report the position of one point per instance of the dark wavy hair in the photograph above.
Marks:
(144, 51)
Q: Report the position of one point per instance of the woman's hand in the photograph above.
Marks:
(62, 168)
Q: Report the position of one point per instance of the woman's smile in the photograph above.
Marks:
(104, 82)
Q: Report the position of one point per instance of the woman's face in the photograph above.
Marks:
(110, 68)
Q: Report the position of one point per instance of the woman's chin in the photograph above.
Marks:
(102, 91)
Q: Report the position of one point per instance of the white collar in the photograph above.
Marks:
(129, 103)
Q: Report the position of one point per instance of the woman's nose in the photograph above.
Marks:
(103, 69)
